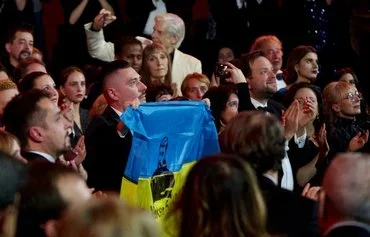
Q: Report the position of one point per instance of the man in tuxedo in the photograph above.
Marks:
(262, 144)
(108, 141)
(345, 199)
(39, 125)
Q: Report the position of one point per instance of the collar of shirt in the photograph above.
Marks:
(347, 223)
(257, 104)
(45, 155)
(119, 113)
(270, 177)
(240, 3)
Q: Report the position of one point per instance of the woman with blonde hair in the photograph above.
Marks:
(220, 198)
(342, 104)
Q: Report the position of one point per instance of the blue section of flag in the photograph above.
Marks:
(168, 134)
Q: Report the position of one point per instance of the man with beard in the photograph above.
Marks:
(39, 125)
(108, 141)
(260, 86)
(254, 92)
(19, 46)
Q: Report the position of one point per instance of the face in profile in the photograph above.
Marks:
(160, 35)
(130, 86)
(75, 87)
(55, 129)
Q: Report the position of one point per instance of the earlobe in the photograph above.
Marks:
(249, 84)
(50, 228)
(7, 47)
(61, 89)
(336, 108)
(296, 68)
(36, 134)
(112, 94)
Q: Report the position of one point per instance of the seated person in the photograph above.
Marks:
(195, 85)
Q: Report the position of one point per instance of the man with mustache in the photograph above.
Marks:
(39, 125)
(108, 141)
(19, 46)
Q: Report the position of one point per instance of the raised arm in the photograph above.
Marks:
(77, 12)
(96, 44)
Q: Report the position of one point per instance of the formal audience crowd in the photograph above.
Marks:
(294, 152)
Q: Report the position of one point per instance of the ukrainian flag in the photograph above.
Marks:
(168, 138)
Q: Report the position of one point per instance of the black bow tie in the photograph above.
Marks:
(279, 76)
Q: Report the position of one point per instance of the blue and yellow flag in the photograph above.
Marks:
(168, 137)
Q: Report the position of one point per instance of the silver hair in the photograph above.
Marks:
(175, 25)
(347, 184)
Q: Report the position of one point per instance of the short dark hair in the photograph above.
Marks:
(124, 41)
(246, 61)
(40, 197)
(12, 177)
(22, 112)
(111, 68)
(19, 28)
(257, 137)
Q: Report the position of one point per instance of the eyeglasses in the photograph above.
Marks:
(352, 96)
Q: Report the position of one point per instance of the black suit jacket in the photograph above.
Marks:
(246, 104)
(345, 231)
(32, 157)
(107, 152)
(288, 213)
